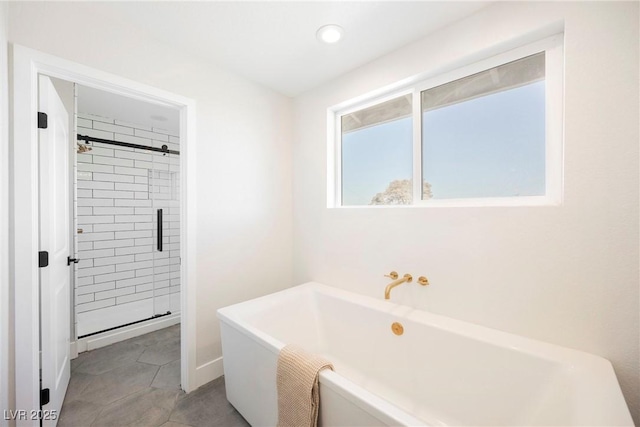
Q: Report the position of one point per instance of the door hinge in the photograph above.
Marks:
(45, 396)
(42, 120)
(43, 259)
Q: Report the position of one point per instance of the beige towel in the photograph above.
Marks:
(298, 392)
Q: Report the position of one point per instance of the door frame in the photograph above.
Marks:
(26, 65)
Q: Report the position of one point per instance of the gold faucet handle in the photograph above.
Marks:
(393, 275)
(423, 281)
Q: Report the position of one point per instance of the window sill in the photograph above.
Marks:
(467, 203)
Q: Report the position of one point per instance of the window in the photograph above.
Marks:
(377, 150)
(486, 134)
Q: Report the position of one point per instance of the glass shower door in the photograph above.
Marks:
(164, 192)
(174, 221)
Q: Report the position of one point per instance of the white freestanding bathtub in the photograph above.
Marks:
(440, 371)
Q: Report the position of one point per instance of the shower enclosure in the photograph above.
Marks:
(128, 224)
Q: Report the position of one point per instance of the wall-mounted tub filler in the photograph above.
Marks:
(445, 372)
(396, 282)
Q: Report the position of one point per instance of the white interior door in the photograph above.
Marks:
(55, 219)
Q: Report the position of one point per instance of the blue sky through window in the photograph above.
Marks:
(373, 157)
(491, 146)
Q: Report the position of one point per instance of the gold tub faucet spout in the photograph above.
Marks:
(406, 278)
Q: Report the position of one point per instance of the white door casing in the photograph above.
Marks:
(54, 219)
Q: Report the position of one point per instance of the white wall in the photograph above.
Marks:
(244, 145)
(4, 225)
(566, 275)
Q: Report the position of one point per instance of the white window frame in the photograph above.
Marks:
(553, 47)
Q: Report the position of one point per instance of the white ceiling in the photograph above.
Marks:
(106, 104)
(274, 43)
(271, 42)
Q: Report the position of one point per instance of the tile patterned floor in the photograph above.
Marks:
(137, 383)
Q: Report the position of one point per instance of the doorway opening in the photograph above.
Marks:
(122, 226)
(127, 216)
(29, 264)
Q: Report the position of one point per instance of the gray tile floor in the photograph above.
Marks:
(137, 383)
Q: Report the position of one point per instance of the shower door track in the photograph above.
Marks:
(163, 149)
(155, 316)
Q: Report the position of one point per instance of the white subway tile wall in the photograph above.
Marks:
(122, 277)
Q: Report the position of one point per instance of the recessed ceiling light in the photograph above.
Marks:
(330, 33)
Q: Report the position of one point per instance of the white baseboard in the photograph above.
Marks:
(209, 372)
(117, 335)
(74, 350)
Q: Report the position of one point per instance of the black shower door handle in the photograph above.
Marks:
(159, 233)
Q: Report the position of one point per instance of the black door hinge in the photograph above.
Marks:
(45, 396)
(42, 120)
(43, 259)
(72, 260)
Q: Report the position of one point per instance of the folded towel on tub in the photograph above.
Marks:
(298, 391)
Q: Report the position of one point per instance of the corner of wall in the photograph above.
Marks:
(6, 389)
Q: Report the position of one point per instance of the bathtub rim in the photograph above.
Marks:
(518, 343)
